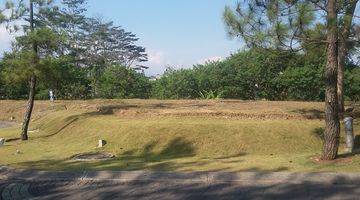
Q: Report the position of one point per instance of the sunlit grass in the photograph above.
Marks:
(144, 138)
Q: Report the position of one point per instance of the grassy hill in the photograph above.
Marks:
(171, 135)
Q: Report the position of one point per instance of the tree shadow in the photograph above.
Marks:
(310, 113)
(110, 109)
(261, 172)
(159, 106)
(68, 121)
(100, 111)
(231, 156)
(176, 148)
(319, 133)
(134, 159)
(12, 139)
(357, 142)
(193, 185)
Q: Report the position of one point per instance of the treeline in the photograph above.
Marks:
(58, 47)
(78, 56)
(249, 75)
(256, 74)
(71, 83)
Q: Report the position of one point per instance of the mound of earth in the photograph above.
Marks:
(93, 156)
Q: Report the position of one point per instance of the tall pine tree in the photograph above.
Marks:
(285, 24)
(36, 44)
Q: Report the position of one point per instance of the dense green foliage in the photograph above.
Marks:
(176, 84)
(352, 82)
(71, 82)
(250, 74)
(120, 82)
(61, 49)
(254, 74)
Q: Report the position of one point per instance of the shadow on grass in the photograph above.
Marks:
(319, 133)
(231, 156)
(135, 159)
(357, 142)
(147, 158)
(69, 121)
(310, 113)
(111, 109)
(103, 110)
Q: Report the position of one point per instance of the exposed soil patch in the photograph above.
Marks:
(340, 160)
(207, 113)
(93, 156)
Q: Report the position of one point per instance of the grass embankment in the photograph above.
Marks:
(172, 135)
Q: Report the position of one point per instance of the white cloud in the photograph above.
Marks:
(211, 59)
(157, 61)
(156, 57)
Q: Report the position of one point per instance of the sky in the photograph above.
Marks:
(176, 33)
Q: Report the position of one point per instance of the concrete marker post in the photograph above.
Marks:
(349, 134)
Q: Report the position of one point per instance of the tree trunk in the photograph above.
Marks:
(32, 82)
(29, 108)
(343, 51)
(340, 82)
(332, 128)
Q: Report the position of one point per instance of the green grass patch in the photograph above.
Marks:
(154, 135)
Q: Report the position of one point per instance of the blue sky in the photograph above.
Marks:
(177, 33)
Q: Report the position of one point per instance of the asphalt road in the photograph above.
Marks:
(172, 190)
(152, 185)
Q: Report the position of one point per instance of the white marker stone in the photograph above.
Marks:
(102, 143)
(2, 142)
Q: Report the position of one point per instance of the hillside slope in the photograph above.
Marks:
(171, 135)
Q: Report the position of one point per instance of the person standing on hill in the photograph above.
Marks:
(51, 95)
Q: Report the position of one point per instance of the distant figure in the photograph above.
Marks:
(51, 95)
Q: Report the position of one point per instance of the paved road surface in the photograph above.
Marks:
(15, 184)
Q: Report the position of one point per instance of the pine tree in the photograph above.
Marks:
(37, 43)
(345, 29)
(284, 24)
(103, 44)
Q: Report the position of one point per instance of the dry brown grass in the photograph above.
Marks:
(179, 108)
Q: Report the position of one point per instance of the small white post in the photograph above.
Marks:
(102, 143)
(2, 142)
